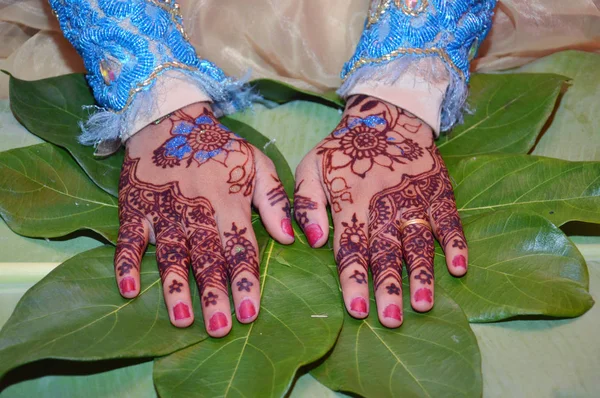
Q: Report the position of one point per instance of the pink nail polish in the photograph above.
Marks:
(313, 233)
(393, 311)
(246, 309)
(217, 321)
(359, 305)
(127, 285)
(181, 311)
(286, 226)
(424, 295)
(459, 261)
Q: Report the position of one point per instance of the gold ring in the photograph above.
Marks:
(414, 221)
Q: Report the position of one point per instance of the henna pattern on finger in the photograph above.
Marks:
(353, 249)
(359, 277)
(301, 206)
(244, 284)
(240, 253)
(277, 195)
(202, 139)
(392, 289)
(210, 299)
(175, 286)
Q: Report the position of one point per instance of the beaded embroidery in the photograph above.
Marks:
(127, 44)
(450, 30)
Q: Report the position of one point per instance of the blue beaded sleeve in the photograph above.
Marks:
(125, 46)
(401, 30)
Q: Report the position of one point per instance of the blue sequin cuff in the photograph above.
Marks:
(126, 45)
(400, 30)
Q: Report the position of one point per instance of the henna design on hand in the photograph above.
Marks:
(202, 139)
(277, 195)
(392, 289)
(175, 286)
(244, 284)
(168, 210)
(353, 248)
(240, 253)
(210, 299)
(359, 277)
(301, 205)
(360, 143)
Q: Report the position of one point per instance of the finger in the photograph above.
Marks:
(310, 204)
(272, 201)
(352, 255)
(448, 230)
(385, 257)
(417, 241)
(209, 268)
(173, 264)
(131, 244)
(241, 253)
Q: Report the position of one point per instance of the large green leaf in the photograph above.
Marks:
(300, 318)
(432, 354)
(45, 194)
(52, 109)
(519, 264)
(77, 313)
(573, 133)
(559, 190)
(509, 113)
(282, 93)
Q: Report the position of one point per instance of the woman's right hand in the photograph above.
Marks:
(187, 185)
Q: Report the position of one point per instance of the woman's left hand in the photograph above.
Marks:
(390, 193)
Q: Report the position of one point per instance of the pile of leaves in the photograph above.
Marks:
(512, 205)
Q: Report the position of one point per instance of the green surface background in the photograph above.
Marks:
(522, 358)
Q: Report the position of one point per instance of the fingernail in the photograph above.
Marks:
(246, 309)
(217, 321)
(127, 285)
(313, 233)
(393, 311)
(459, 261)
(359, 305)
(424, 295)
(286, 226)
(181, 311)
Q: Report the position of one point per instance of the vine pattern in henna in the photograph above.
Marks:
(277, 195)
(241, 254)
(301, 206)
(353, 249)
(360, 143)
(201, 139)
(168, 210)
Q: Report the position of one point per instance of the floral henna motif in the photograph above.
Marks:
(175, 286)
(202, 139)
(392, 289)
(353, 248)
(244, 284)
(359, 277)
(361, 143)
(301, 205)
(210, 299)
(240, 253)
(168, 210)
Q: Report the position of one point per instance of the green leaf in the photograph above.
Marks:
(267, 147)
(559, 190)
(519, 264)
(573, 133)
(45, 194)
(77, 313)
(510, 111)
(433, 354)
(52, 110)
(295, 127)
(282, 93)
(261, 359)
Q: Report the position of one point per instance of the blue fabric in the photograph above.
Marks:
(449, 29)
(125, 45)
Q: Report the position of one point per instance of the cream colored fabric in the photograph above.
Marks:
(303, 42)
